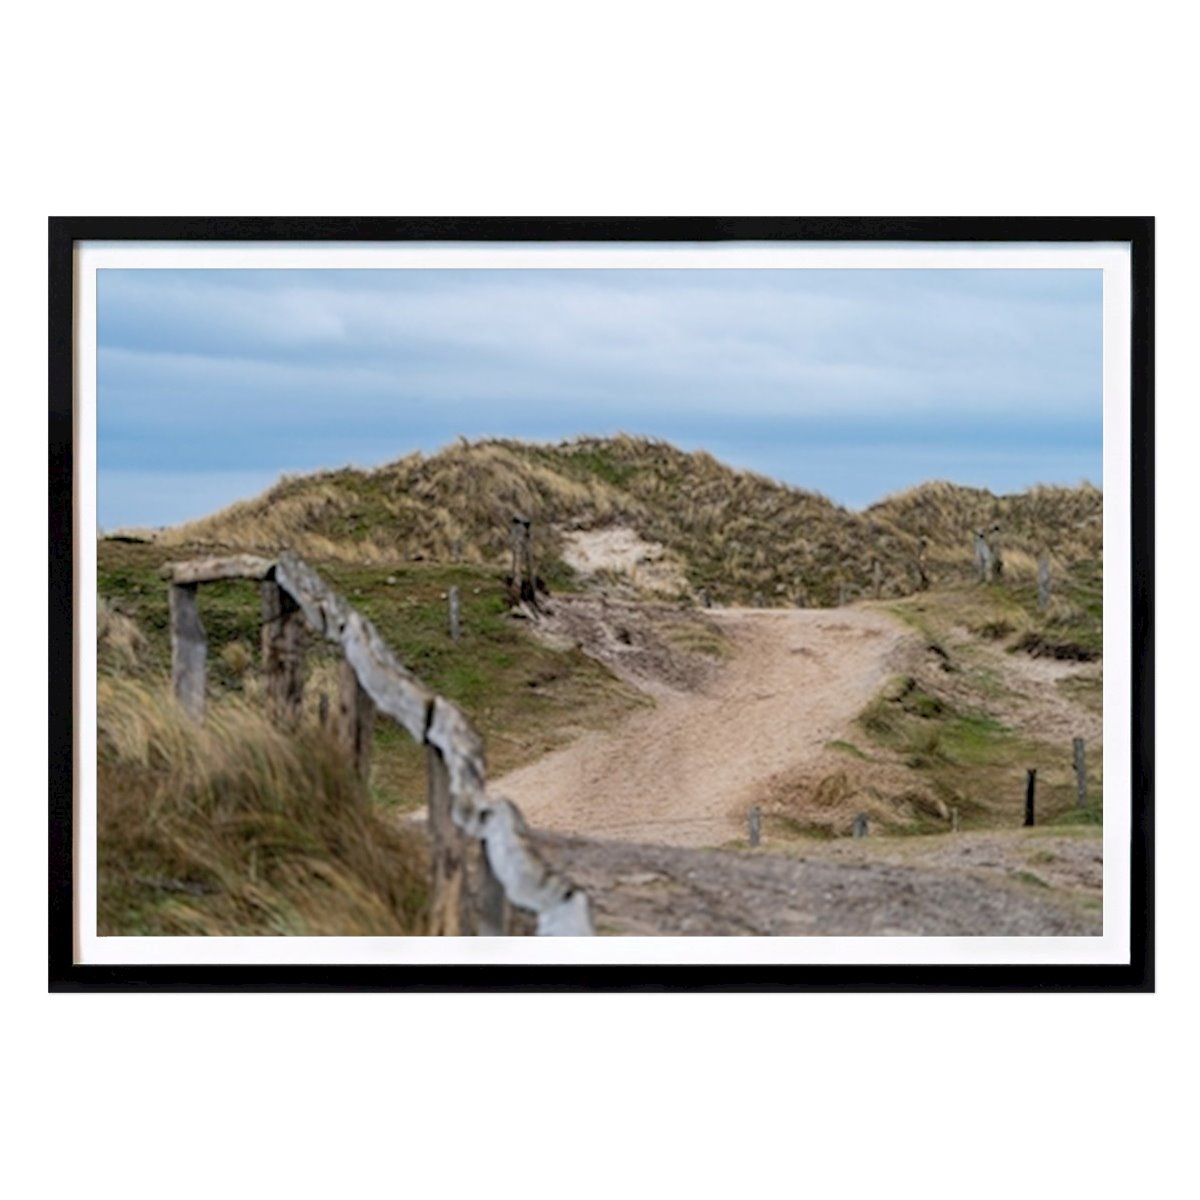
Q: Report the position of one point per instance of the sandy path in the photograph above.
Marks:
(686, 772)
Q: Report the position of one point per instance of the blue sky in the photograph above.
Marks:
(855, 383)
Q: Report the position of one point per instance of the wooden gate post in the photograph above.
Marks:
(354, 727)
(1030, 788)
(189, 648)
(1080, 773)
(283, 629)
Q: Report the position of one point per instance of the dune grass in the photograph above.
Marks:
(232, 827)
(738, 534)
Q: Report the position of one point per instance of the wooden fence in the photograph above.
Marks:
(484, 860)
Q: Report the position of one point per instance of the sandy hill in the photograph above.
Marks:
(691, 521)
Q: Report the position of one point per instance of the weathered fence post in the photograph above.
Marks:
(757, 600)
(466, 898)
(355, 724)
(448, 915)
(283, 628)
(953, 820)
(1080, 773)
(1043, 584)
(455, 631)
(1030, 788)
(755, 826)
(495, 913)
(993, 545)
(983, 557)
(841, 595)
(524, 579)
(922, 563)
(860, 825)
(705, 598)
(189, 648)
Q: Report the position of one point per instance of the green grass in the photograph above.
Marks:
(970, 759)
(1092, 813)
(522, 695)
(1030, 878)
(1007, 613)
(848, 748)
(598, 461)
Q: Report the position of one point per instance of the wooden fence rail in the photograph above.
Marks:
(485, 860)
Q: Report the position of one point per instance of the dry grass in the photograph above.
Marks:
(232, 827)
(737, 533)
(120, 644)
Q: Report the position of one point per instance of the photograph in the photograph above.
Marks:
(722, 599)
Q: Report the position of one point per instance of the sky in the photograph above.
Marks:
(854, 383)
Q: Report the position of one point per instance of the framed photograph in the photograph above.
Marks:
(601, 604)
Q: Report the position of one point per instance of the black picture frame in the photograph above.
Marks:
(65, 974)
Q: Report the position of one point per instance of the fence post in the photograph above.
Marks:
(922, 563)
(466, 897)
(996, 560)
(355, 724)
(282, 653)
(755, 826)
(189, 648)
(455, 630)
(1030, 788)
(860, 825)
(1043, 584)
(953, 820)
(983, 557)
(705, 598)
(524, 578)
(448, 910)
(877, 577)
(758, 600)
(1080, 773)
(495, 913)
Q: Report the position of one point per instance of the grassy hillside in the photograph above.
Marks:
(233, 827)
(736, 533)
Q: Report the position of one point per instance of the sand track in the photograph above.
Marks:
(686, 772)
